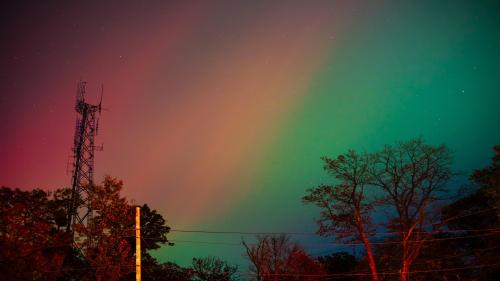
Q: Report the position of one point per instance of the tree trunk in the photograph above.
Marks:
(368, 247)
(405, 271)
(371, 260)
(405, 265)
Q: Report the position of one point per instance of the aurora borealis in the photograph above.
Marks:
(218, 111)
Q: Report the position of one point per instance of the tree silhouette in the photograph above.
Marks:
(489, 179)
(337, 263)
(213, 269)
(109, 238)
(153, 236)
(411, 176)
(103, 239)
(169, 271)
(345, 206)
(479, 213)
(275, 257)
(403, 180)
(35, 245)
(31, 246)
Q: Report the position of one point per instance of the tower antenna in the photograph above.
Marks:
(80, 209)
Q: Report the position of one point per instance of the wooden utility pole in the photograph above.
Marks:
(137, 243)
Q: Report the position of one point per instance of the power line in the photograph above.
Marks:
(296, 274)
(307, 275)
(379, 273)
(449, 257)
(380, 233)
(207, 242)
(350, 244)
(312, 233)
(152, 275)
(242, 232)
(496, 231)
(315, 234)
(471, 214)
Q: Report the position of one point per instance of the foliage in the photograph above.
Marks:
(102, 239)
(36, 246)
(153, 231)
(405, 180)
(33, 248)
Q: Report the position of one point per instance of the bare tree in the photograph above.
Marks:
(213, 269)
(258, 254)
(411, 175)
(275, 257)
(345, 206)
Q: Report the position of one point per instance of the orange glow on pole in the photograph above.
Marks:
(137, 243)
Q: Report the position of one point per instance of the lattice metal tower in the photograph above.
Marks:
(87, 124)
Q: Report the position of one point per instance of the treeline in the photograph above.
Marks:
(35, 245)
(392, 206)
(395, 204)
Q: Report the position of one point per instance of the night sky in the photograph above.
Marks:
(217, 112)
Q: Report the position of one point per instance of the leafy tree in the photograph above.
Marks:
(103, 239)
(109, 238)
(153, 230)
(213, 269)
(32, 247)
(153, 235)
(345, 206)
(36, 246)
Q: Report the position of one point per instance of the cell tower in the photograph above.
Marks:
(87, 125)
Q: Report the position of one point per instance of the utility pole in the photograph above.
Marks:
(138, 243)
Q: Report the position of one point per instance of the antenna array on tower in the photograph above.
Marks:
(79, 209)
